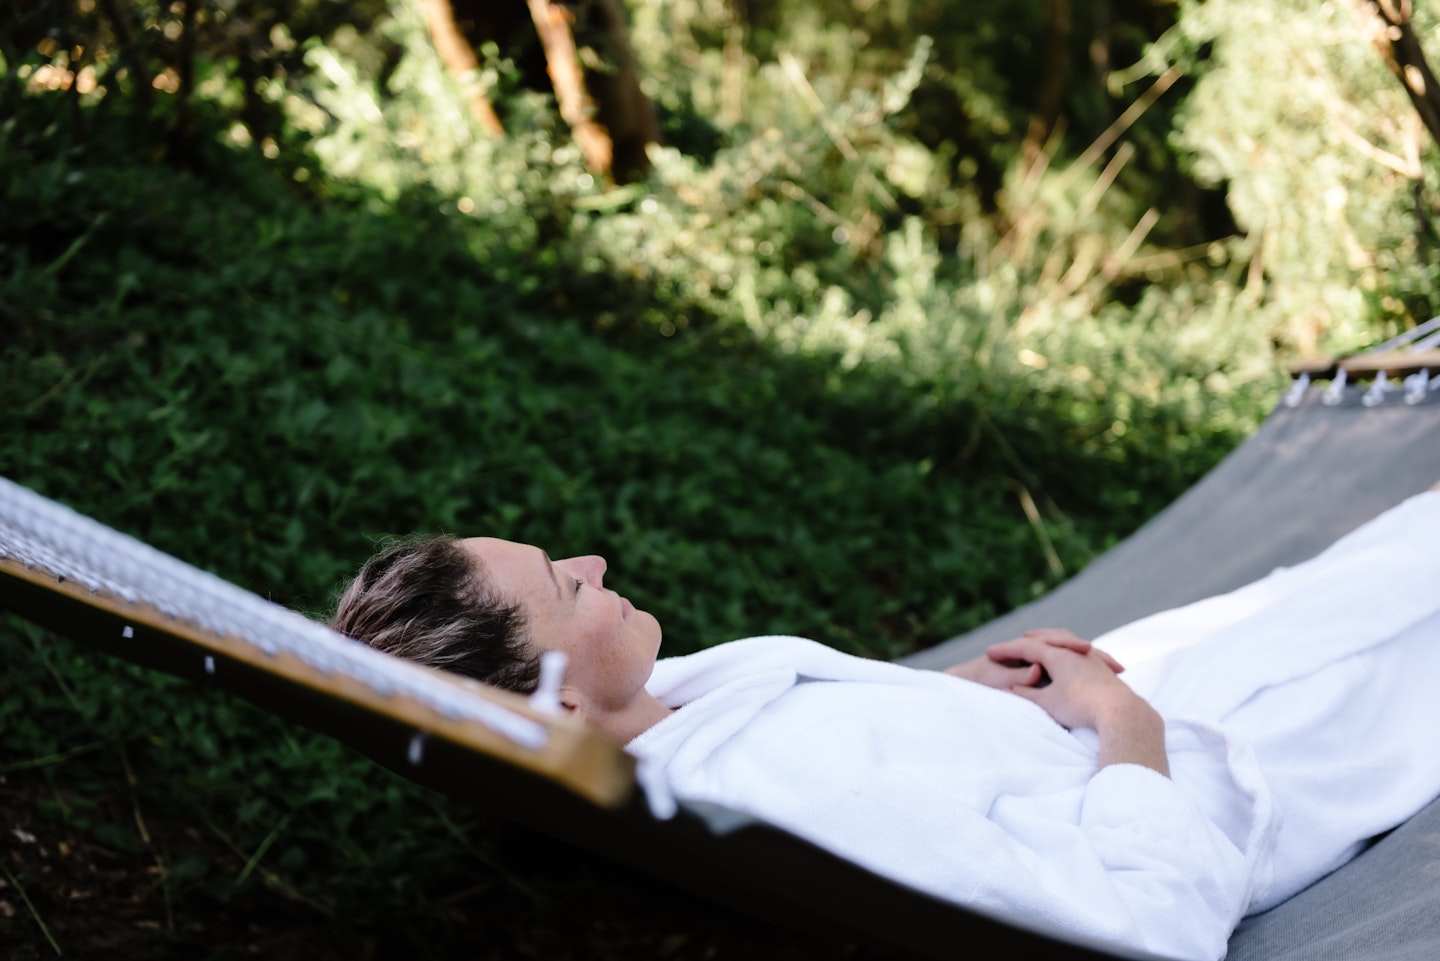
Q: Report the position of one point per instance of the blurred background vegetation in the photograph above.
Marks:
(859, 319)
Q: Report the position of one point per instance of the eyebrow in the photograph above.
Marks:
(550, 570)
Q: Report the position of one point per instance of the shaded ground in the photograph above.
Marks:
(98, 902)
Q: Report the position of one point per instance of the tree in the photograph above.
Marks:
(1390, 28)
(1321, 154)
(458, 55)
(589, 62)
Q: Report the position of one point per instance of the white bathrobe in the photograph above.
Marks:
(1300, 719)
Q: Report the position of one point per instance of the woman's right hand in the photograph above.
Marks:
(998, 669)
(1084, 692)
(1054, 636)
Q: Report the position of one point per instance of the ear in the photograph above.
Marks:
(572, 702)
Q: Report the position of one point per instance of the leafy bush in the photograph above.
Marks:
(1327, 166)
(261, 383)
(825, 372)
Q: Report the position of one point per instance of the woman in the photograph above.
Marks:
(492, 590)
(1282, 726)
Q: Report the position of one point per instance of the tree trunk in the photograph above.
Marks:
(609, 115)
(1388, 25)
(1051, 97)
(182, 135)
(459, 58)
(562, 60)
(133, 52)
(620, 105)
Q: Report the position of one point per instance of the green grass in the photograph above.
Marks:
(263, 384)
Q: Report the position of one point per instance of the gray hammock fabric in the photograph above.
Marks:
(1314, 471)
(1311, 473)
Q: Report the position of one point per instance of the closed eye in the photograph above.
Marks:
(578, 584)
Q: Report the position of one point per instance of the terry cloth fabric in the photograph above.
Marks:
(978, 796)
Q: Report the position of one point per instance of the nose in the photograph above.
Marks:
(589, 568)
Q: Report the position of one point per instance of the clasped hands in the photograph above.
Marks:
(1082, 692)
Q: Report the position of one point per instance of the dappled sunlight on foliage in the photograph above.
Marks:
(1321, 154)
(918, 307)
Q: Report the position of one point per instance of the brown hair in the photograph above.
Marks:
(428, 601)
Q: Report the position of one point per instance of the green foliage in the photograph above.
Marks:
(262, 383)
(1324, 159)
(851, 363)
(974, 99)
(184, 341)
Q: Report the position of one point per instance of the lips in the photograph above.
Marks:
(626, 608)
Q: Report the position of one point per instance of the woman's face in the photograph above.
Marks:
(611, 646)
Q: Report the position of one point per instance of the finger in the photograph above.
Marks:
(1002, 653)
(1016, 649)
(1031, 649)
(1027, 676)
(1059, 637)
(1110, 662)
(1003, 678)
(1030, 693)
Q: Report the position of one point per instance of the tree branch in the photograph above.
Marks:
(562, 62)
(459, 58)
(1388, 27)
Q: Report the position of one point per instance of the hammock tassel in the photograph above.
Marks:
(1417, 385)
(1336, 391)
(1296, 394)
(1378, 389)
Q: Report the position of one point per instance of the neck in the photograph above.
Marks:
(637, 717)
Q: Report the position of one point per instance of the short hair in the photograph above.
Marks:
(429, 601)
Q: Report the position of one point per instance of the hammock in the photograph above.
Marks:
(1329, 458)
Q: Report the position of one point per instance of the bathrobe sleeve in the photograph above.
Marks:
(1142, 869)
(1182, 883)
